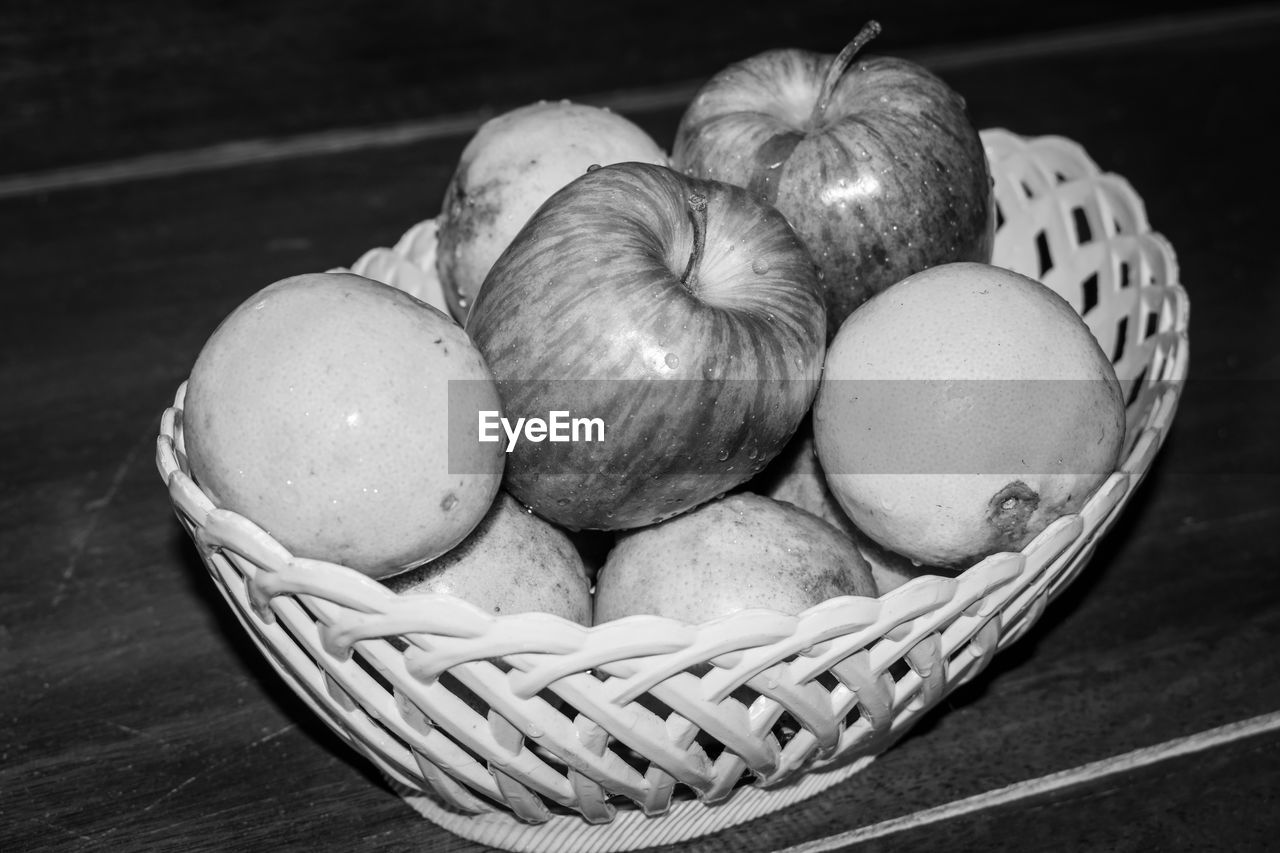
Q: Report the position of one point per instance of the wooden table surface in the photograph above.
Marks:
(1141, 713)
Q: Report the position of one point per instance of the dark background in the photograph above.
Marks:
(84, 82)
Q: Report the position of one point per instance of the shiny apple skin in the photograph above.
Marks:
(893, 180)
(698, 386)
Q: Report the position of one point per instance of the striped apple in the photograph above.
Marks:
(875, 163)
(683, 314)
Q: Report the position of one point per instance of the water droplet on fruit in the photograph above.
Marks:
(723, 455)
(563, 502)
(861, 153)
(593, 167)
(672, 360)
(449, 502)
(759, 266)
(753, 454)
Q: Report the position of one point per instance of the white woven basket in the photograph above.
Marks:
(528, 732)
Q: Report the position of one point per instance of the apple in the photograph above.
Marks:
(743, 551)
(683, 315)
(962, 411)
(513, 562)
(319, 408)
(876, 164)
(512, 164)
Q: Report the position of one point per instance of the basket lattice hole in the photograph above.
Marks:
(412, 715)
(743, 695)
(655, 706)
(1153, 325)
(464, 693)
(999, 217)
(1089, 294)
(1084, 233)
(898, 669)
(1026, 189)
(1125, 274)
(478, 705)
(828, 680)
(1042, 253)
(1136, 388)
(1122, 332)
(374, 673)
(786, 728)
(287, 631)
(338, 694)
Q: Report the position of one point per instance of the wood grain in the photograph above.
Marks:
(88, 83)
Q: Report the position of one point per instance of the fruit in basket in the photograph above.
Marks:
(683, 314)
(796, 477)
(513, 164)
(513, 562)
(873, 160)
(743, 551)
(962, 411)
(319, 409)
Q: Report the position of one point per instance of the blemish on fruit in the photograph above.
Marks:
(449, 501)
(1010, 510)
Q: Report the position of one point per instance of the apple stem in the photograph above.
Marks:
(837, 68)
(698, 216)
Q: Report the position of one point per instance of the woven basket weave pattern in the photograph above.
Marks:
(530, 732)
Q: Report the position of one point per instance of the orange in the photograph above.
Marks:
(963, 410)
(319, 409)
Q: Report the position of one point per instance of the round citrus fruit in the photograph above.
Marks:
(962, 411)
(320, 410)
